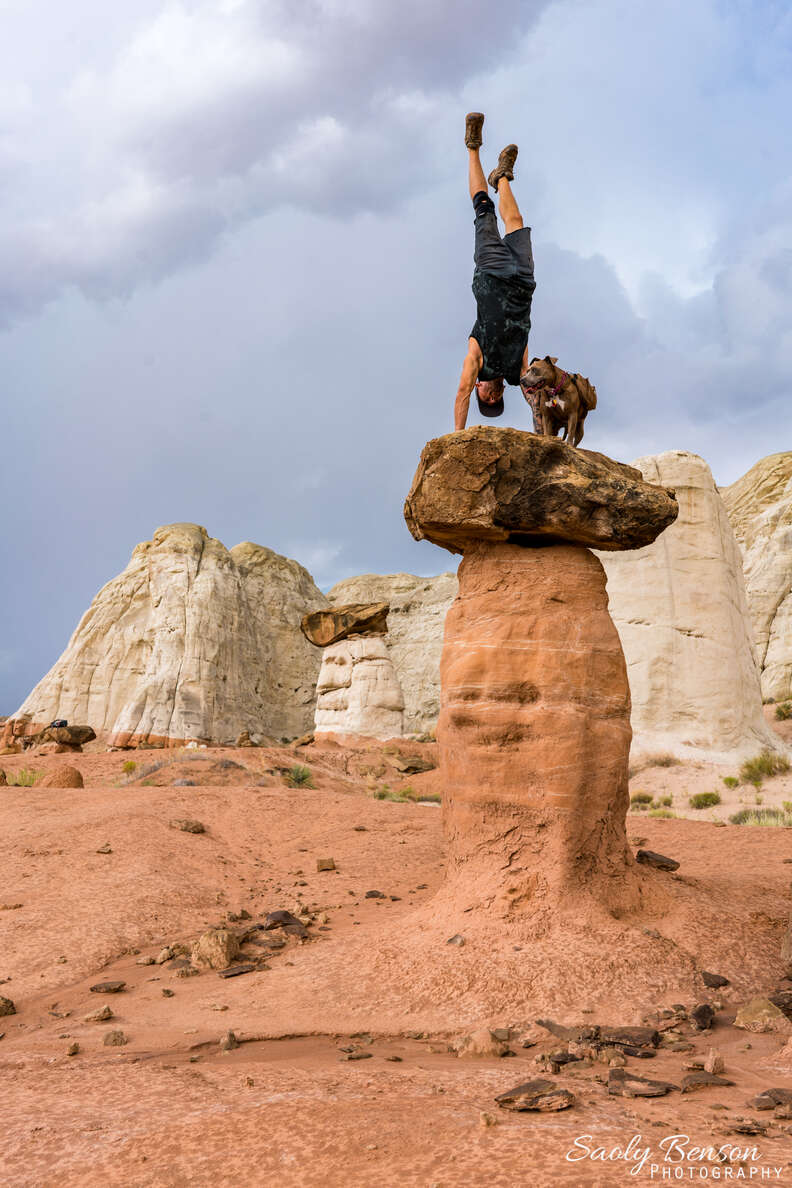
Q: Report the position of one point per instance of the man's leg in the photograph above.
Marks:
(476, 179)
(507, 206)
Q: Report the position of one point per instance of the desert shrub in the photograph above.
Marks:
(762, 816)
(766, 763)
(661, 812)
(24, 778)
(787, 806)
(731, 781)
(641, 798)
(150, 768)
(784, 711)
(758, 799)
(232, 765)
(663, 802)
(661, 761)
(129, 766)
(298, 777)
(702, 800)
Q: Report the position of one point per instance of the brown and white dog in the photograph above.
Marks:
(557, 399)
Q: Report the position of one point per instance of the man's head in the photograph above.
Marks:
(489, 394)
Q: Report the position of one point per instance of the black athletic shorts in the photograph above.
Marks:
(505, 257)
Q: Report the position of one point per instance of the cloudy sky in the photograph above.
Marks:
(235, 261)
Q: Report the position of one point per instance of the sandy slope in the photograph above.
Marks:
(170, 1109)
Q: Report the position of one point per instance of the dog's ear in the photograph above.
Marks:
(535, 359)
(550, 359)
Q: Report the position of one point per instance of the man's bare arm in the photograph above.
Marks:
(470, 370)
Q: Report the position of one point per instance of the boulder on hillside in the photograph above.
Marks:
(325, 627)
(62, 776)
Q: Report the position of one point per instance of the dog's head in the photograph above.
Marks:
(540, 374)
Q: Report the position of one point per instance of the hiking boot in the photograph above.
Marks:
(474, 121)
(505, 166)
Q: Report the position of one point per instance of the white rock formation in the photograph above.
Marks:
(358, 691)
(416, 619)
(759, 506)
(191, 641)
(682, 614)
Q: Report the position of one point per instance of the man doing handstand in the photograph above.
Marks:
(503, 285)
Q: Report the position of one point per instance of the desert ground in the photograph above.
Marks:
(344, 1071)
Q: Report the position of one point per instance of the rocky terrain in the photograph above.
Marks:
(314, 1064)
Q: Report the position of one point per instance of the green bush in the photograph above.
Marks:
(762, 816)
(641, 798)
(786, 806)
(784, 711)
(129, 766)
(661, 812)
(766, 763)
(24, 778)
(663, 802)
(298, 777)
(731, 781)
(702, 800)
(661, 761)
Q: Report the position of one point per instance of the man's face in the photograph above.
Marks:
(490, 391)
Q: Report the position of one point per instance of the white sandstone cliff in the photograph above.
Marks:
(759, 506)
(681, 611)
(190, 641)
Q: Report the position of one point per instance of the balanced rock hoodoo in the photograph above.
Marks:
(358, 691)
(534, 727)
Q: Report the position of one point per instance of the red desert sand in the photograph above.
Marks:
(343, 1073)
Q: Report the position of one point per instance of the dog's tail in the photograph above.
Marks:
(588, 393)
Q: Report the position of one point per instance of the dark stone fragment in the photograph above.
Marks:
(187, 825)
(713, 980)
(413, 764)
(768, 1099)
(578, 1034)
(632, 1037)
(357, 1056)
(783, 1000)
(234, 971)
(703, 1080)
(658, 861)
(374, 895)
(748, 1126)
(702, 1016)
(325, 627)
(622, 1083)
(108, 987)
(280, 920)
(539, 1095)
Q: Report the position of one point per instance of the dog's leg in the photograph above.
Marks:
(579, 434)
(572, 427)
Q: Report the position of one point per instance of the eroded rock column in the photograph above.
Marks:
(534, 728)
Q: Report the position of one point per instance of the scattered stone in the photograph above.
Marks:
(187, 971)
(653, 933)
(115, 1039)
(360, 829)
(539, 1094)
(714, 1062)
(630, 1037)
(166, 993)
(747, 1126)
(760, 1014)
(145, 961)
(285, 920)
(99, 1016)
(658, 861)
(456, 939)
(768, 1099)
(486, 1120)
(228, 1042)
(622, 1083)
(702, 1080)
(702, 1016)
(325, 864)
(375, 895)
(6, 1006)
(164, 955)
(108, 987)
(356, 1056)
(479, 1043)
(215, 949)
(187, 825)
(234, 971)
(304, 740)
(73, 1049)
(62, 776)
(394, 1059)
(713, 980)
(105, 849)
(413, 764)
(10, 907)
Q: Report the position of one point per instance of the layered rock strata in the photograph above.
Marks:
(759, 506)
(191, 641)
(680, 607)
(534, 727)
(358, 691)
(414, 637)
